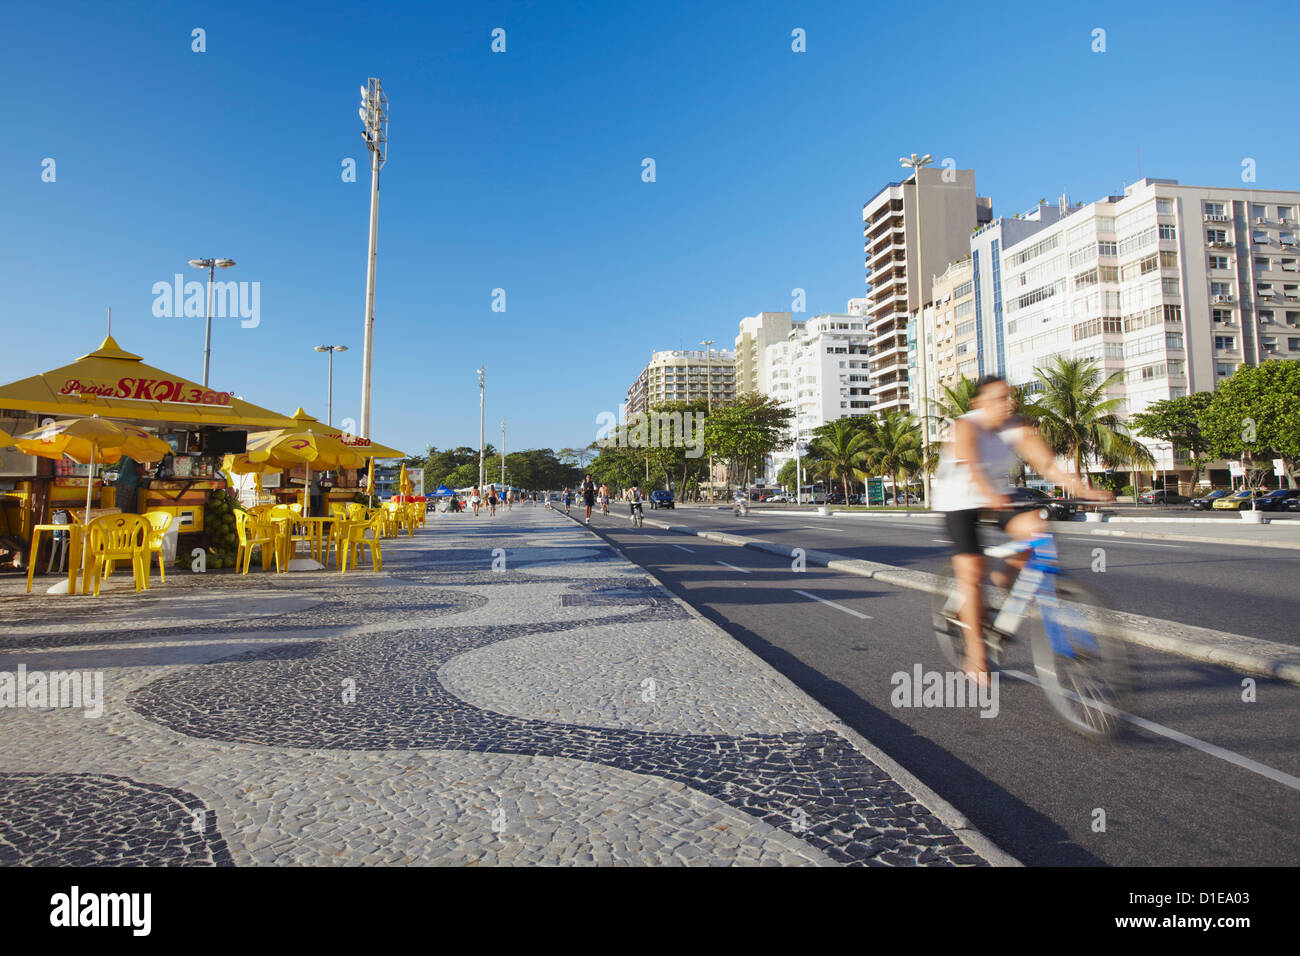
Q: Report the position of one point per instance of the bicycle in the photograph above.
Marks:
(638, 514)
(604, 506)
(1084, 672)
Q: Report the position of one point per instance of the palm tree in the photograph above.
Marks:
(842, 451)
(957, 401)
(896, 447)
(1075, 417)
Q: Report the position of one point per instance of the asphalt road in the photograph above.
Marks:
(1211, 781)
(1251, 591)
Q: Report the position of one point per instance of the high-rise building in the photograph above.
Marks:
(911, 233)
(820, 371)
(1172, 286)
(681, 376)
(757, 332)
(986, 245)
(952, 341)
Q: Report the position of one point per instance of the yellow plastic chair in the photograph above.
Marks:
(160, 523)
(120, 537)
(356, 511)
(359, 534)
(254, 532)
(292, 534)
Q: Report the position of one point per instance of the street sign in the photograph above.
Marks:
(1279, 467)
(1235, 469)
(875, 491)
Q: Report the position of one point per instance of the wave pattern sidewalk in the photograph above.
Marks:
(561, 708)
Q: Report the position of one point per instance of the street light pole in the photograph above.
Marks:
(503, 452)
(329, 395)
(374, 118)
(916, 164)
(708, 399)
(212, 265)
(481, 373)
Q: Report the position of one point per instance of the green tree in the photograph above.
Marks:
(896, 449)
(1178, 421)
(843, 450)
(1256, 414)
(1075, 417)
(955, 401)
(746, 430)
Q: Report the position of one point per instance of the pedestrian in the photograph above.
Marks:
(588, 494)
(510, 499)
(568, 499)
(474, 500)
(492, 500)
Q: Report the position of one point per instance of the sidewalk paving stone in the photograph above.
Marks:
(564, 709)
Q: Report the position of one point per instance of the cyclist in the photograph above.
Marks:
(634, 499)
(973, 477)
(604, 498)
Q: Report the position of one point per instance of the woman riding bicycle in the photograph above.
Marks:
(974, 477)
(634, 499)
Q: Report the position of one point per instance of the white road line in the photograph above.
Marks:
(1204, 746)
(683, 547)
(838, 607)
(733, 567)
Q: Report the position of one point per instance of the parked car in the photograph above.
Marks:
(904, 497)
(661, 499)
(836, 499)
(1206, 502)
(1161, 496)
(1238, 499)
(1048, 508)
(1292, 504)
(1276, 500)
(779, 497)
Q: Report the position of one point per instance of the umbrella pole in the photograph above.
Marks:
(90, 481)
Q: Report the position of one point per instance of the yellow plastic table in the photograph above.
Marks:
(76, 533)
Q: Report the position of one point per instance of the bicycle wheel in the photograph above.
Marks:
(952, 636)
(1085, 674)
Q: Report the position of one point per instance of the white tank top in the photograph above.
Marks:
(955, 488)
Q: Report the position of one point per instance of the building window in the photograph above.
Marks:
(1170, 286)
(1226, 342)
(1216, 236)
(1167, 231)
(1222, 316)
(1224, 369)
(1214, 209)
(1165, 207)
(1218, 262)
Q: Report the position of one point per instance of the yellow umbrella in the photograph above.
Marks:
(370, 482)
(113, 382)
(6, 439)
(87, 439)
(404, 481)
(319, 451)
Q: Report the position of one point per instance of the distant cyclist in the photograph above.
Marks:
(974, 477)
(634, 498)
(604, 498)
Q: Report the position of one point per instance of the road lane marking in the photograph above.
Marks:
(838, 607)
(733, 567)
(684, 548)
(1204, 746)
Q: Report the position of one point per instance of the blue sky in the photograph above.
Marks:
(522, 170)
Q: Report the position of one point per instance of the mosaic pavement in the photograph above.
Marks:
(506, 691)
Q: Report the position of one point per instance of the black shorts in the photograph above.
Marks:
(963, 527)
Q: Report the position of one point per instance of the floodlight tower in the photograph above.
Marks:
(374, 120)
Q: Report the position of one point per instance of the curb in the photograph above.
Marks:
(947, 814)
(1248, 655)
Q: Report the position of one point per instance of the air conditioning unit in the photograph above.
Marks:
(1261, 221)
(1222, 299)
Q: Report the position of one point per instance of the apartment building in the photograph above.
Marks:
(951, 338)
(821, 370)
(757, 332)
(912, 230)
(683, 375)
(1172, 286)
(986, 245)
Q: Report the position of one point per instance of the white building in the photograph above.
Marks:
(1172, 286)
(683, 375)
(757, 332)
(821, 370)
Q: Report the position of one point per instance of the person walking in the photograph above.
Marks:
(568, 499)
(492, 501)
(474, 500)
(588, 495)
